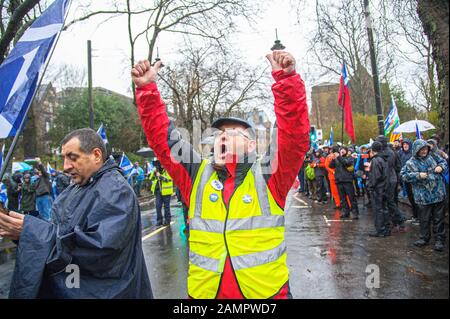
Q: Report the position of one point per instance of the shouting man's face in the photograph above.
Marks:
(232, 141)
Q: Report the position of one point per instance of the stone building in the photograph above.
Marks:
(36, 141)
(325, 108)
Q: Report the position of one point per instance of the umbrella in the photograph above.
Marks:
(146, 152)
(410, 126)
(21, 167)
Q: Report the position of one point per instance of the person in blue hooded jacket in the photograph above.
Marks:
(424, 172)
(92, 247)
(405, 153)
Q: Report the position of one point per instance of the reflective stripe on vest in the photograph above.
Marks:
(250, 231)
(266, 220)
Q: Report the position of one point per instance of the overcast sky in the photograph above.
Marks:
(111, 47)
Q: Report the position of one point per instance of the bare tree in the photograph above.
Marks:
(208, 83)
(404, 26)
(341, 37)
(15, 17)
(208, 19)
(434, 17)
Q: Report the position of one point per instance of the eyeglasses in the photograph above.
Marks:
(230, 132)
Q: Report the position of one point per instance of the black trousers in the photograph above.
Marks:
(391, 204)
(410, 194)
(382, 218)
(432, 214)
(160, 201)
(347, 190)
(321, 191)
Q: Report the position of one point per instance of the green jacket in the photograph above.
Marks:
(28, 202)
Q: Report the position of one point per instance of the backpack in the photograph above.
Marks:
(310, 173)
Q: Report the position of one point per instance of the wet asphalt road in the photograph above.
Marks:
(327, 257)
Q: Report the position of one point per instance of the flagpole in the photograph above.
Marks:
(22, 124)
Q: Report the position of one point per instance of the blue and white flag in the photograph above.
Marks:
(418, 135)
(1, 156)
(150, 167)
(101, 131)
(3, 195)
(125, 165)
(50, 170)
(330, 143)
(23, 69)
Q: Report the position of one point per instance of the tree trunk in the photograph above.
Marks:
(434, 17)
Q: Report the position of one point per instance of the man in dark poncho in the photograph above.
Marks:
(92, 247)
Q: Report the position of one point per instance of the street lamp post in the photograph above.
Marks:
(373, 61)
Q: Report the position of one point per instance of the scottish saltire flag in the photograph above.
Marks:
(150, 167)
(21, 72)
(50, 170)
(1, 156)
(3, 194)
(330, 142)
(125, 165)
(101, 131)
(392, 120)
(418, 135)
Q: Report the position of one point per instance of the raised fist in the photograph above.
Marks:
(281, 60)
(143, 73)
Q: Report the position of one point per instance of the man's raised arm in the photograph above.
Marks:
(290, 140)
(176, 155)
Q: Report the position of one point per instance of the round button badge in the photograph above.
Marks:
(213, 197)
(217, 185)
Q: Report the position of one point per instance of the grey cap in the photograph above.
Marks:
(224, 120)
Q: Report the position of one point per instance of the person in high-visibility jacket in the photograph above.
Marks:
(162, 188)
(236, 202)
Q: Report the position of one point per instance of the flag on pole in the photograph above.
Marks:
(392, 120)
(1, 156)
(50, 170)
(418, 135)
(23, 69)
(125, 165)
(345, 102)
(150, 167)
(3, 194)
(101, 131)
(331, 137)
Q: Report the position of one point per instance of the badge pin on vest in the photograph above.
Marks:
(213, 197)
(247, 199)
(217, 185)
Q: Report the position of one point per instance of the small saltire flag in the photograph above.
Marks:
(125, 165)
(1, 156)
(331, 137)
(150, 167)
(3, 194)
(418, 135)
(23, 69)
(392, 120)
(50, 170)
(101, 131)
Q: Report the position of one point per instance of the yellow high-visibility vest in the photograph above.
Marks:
(251, 232)
(166, 187)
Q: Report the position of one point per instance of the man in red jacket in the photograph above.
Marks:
(236, 203)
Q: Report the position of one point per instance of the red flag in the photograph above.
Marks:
(345, 102)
